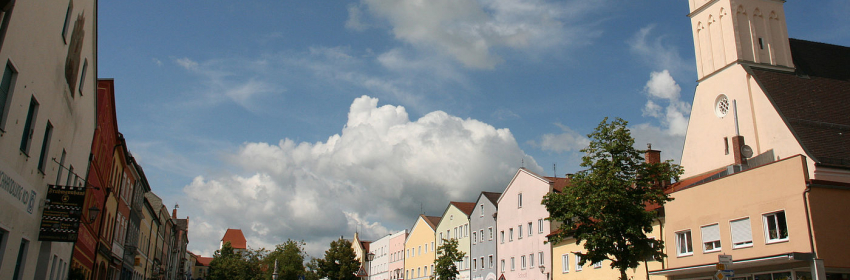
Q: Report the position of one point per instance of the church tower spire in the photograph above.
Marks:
(739, 31)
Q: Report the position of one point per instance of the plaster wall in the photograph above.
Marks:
(455, 225)
(483, 247)
(778, 186)
(378, 265)
(418, 261)
(589, 271)
(396, 255)
(829, 212)
(512, 216)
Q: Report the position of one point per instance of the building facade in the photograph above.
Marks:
(419, 248)
(380, 260)
(454, 224)
(395, 266)
(482, 222)
(47, 105)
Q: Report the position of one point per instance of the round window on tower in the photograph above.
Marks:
(721, 105)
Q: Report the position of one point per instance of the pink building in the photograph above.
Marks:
(396, 255)
(522, 227)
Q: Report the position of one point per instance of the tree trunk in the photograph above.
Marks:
(623, 274)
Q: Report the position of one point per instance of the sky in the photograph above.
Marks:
(310, 120)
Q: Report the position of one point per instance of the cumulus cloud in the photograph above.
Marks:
(470, 31)
(374, 175)
(566, 141)
(669, 136)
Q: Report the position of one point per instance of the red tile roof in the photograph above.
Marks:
(493, 197)
(558, 184)
(236, 238)
(432, 220)
(465, 207)
(203, 261)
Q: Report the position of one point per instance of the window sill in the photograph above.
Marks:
(743, 246)
(685, 255)
(712, 251)
(776, 241)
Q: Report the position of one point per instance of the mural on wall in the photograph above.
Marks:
(75, 48)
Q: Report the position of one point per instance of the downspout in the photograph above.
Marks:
(809, 219)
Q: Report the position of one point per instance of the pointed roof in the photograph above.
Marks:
(432, 220)
(236, 238)
(558, 184)
(813, 101)
(492, 196)
(203, 261)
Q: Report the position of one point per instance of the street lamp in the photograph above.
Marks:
(369, 257)
(543, 271)
(93, 212)
(274, 274)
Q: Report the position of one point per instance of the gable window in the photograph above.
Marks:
(775, 228)
(711, 238)
(683, 243)
(26, 139)
(519, 200)
(6, 86)
(742, 234)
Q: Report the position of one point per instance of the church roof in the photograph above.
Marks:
(814, 101)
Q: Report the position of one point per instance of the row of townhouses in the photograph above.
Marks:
(766, 183)
(74, 202)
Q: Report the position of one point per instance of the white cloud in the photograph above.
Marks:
(656, 52)
(354, 22)
(566, 141)
(471, 31)
(240, 81)
(669, 136)
(187, 63)
(374, 175)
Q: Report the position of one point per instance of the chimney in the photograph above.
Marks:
(174, 213)
(737, 144)
(652, 156)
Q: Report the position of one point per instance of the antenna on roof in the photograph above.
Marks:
(555, 169)
(421, 209)
(523, 163)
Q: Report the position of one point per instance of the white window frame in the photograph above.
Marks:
(565, 263)
(530, 228)
(597, 264)
(531, 260)
(739, 230)
(490, 260)
(481, 236)
(511, 235)
(540, 226)
(474, 238)
(540, 258)
(519, 229)
(513, 264)
(491, 232)
(765, 222)
(481, 208)
(522, 262)
(679, 243)
(503, 236)
(710, 235)
(577, 261)
(482, 262)
(502, 264)
(519, 200)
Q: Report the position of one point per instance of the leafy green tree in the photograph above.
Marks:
(290, 257)
(446, 263)
(312, 270)
(229, 264)
(606, 205)
(339, 262)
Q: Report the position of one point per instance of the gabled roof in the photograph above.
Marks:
(236, 238)
(203, 261)
(465, 207)
(365, 245)
(432, 221)
(558, 184)
(814, 101)
(492, 196)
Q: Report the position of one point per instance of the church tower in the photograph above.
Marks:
(727, 32)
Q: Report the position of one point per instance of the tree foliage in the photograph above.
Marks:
(228, 264)
(290, 257)
(446, 262)
(339, 262)
(606, 205)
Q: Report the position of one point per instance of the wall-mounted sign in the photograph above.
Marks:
(60, 220)
(21, 195)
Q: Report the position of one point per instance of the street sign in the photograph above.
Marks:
(60, 220)
(725, 259)
(361, 272)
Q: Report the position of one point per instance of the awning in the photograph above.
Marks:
(736, 264)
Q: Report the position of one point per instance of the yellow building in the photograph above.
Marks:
(419, 249)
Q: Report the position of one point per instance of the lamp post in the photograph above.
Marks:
(93, 212)
(543, 271)
(369, 258)
(274, 274)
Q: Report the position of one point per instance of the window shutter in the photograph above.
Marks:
(741, 231)
(710, 233)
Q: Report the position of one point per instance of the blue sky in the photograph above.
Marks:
(311, 119)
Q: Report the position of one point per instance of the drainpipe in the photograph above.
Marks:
(817, 268)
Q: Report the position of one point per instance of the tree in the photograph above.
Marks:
(312, 270)
(229, 264)
(606, 205)
(290, 257)
(339, 263)
(446, 263)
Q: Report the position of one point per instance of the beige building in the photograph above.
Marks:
(47, 119)
(767, 154)
(454, 224)
(419, 250)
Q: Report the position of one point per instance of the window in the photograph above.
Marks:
(502, 265)
(419, 252)
(482, 262)
(481, 234)
(426, 248)
(540, 226)
(711, 238)
(83, 76)
(565, 263)
(432, 246)
(513, 267)
(502, 236)
(511, 235)
(578, 262)
(529, 229)
(683, 243)
(441, 238)
(490, 229)
(4, 235)
(67, 21)
(522, 262)
(490, 260)
(540, 257)
(20, 263)
(474, 264)
(465, 230)
(45, 147)
(61, 165)
(530, 260)
(519, 231)
(6, 87)
(519, 200)
(53, 267)
(474, 238)
(26, 139)
(481, 209)
(597, 265)
(742, 234)
(775, 227)
(418, 271)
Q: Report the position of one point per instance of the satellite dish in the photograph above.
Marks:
(746, 151)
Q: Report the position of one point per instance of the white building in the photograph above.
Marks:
(47, 120)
